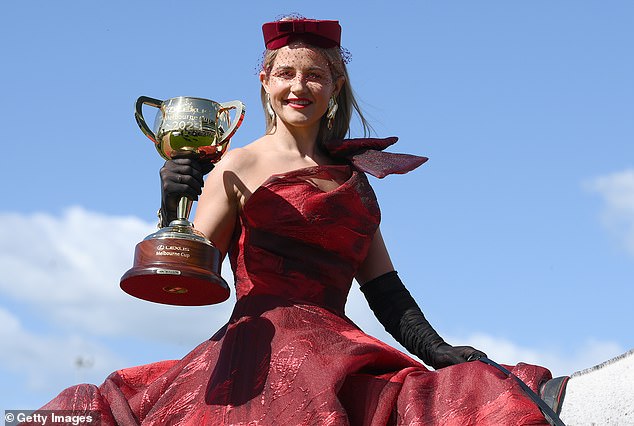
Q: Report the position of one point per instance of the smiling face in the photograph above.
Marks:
(299, 83)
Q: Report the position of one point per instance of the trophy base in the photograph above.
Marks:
(175, 287)
(176, 266)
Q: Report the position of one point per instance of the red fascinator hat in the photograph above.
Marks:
(313, 31)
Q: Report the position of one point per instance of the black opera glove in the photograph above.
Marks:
(180, 177)
(399, 313)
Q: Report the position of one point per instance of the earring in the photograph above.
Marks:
(332, 111)
(269, 108)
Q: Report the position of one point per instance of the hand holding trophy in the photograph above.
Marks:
(178, 265)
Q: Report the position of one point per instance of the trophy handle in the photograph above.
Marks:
(240, 109)
(138, 114)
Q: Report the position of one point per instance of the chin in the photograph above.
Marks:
(301, 123)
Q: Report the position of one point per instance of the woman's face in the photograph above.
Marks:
(299, 85)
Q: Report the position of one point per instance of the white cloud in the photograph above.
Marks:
(617, 190)
(37, 366)
(68, 268)
(60, 302)
(588, 354)
(47, 358)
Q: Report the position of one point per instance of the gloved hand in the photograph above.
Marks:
(399, 313)
(181, 177)
(445, 355)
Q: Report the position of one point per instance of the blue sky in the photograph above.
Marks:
(517, 236)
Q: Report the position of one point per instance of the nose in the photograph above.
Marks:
(298, 83)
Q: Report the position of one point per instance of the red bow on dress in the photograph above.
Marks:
(367, 155)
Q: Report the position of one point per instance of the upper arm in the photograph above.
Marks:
(218, 206)
(377, 262)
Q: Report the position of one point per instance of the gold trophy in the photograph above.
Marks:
(178, 265)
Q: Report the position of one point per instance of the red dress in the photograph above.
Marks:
(289, 355)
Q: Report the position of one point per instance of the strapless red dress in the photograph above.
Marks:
(289, 355)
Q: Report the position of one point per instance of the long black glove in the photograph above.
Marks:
(180, 177)
(398, 312)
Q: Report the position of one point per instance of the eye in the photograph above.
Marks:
(284, 73)
(315, 76)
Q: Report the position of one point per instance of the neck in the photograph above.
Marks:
(303, 140)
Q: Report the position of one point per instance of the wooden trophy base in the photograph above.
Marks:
(176, 269)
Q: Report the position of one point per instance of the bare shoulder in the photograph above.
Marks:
(241, 171)
(238, 160)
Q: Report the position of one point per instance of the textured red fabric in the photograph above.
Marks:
(289, 355)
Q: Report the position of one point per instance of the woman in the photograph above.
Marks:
(296, 215)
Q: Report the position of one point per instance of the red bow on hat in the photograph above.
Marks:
(313, 31)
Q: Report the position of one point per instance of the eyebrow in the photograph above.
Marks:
(313, 68)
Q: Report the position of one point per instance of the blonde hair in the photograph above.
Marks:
(347, 104)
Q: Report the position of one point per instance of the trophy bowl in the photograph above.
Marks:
(178, 265)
